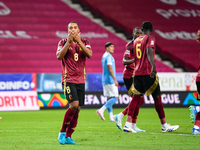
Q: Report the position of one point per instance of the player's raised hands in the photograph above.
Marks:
(77, 37)
(70, 37)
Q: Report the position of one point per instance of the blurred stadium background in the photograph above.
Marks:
(30, 73)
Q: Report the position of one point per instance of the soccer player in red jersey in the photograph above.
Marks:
(145, 77)
(72, 52)
(194, 110)
(128, 61)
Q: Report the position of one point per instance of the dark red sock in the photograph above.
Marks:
(141, 100)
(197, 120)
(134, 120)
(136, 112)
(72, 126)
(67, 119)
(137, 108)
(160, 110)
(132, 105)
(125, 111)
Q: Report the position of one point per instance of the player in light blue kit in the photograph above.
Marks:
(109, 82)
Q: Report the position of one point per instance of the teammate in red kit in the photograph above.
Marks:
(72, 52)
(128, 61)
(195, 110)
(145, 78)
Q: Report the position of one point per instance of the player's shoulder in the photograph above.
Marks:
(108, 55)
(129, 44)
(152, 37)
(105, 57)
(62, 41)
(84, 40)
(144, 38)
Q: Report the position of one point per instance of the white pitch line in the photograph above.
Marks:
(171, 133)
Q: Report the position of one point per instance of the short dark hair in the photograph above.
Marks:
(136, 29)
(74, 22)
(147, 26)
(108, 44)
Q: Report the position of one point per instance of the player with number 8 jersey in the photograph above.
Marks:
(73, 64)
(72, 52)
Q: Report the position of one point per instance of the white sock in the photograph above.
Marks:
(111, 115)
(197, 108)
(128, 124)
(121, 115)
(102, 109)
(164, 125)
(133, 125)
(196, 127)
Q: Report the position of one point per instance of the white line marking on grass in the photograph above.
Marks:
(98, 127)
(170, 133)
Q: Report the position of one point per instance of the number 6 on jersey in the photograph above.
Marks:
(138, 51)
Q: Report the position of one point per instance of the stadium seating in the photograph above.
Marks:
(175, 24)
(31, 30)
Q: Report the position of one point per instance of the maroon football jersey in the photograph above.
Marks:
(128, 69)
(73, 64)
(142, 65)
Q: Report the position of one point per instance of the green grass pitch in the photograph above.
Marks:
(39, 130)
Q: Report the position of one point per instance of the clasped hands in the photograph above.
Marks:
(74, 37)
